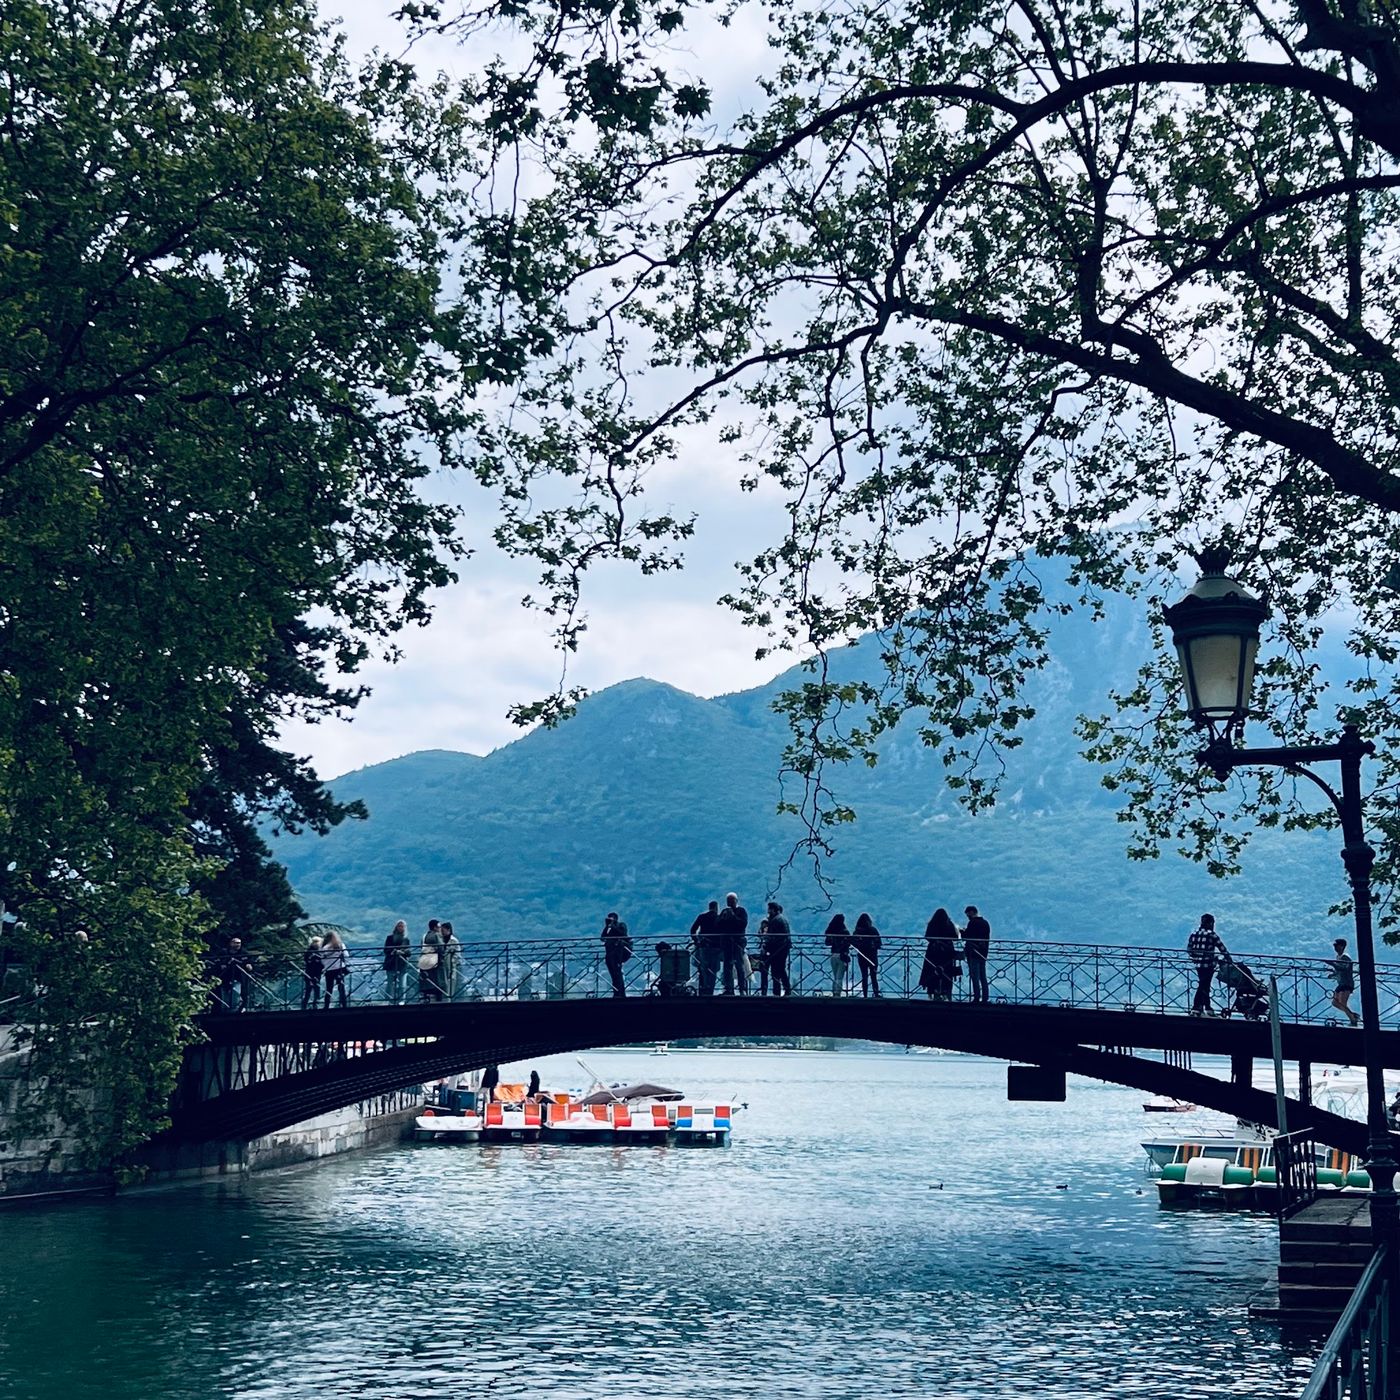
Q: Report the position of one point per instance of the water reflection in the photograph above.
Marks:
(812, 1258)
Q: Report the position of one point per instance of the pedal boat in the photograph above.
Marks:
(442, 1125)
(652, 1124)
(511, 1122)
(702, 1127)
(572, 1122)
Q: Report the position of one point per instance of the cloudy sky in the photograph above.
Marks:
(483, 651)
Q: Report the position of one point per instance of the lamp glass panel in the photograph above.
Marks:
(1249, 647)
(1216, 664)
(1188, 681)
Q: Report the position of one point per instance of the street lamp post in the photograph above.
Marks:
(1216, 631)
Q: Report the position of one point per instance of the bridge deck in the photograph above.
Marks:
(262, 1069)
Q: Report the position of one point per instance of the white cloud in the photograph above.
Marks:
(484, 652)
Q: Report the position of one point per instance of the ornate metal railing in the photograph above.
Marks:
(1080, 976)
(1356, 1361)
(1295, 1161)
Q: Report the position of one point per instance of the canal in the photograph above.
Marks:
(883, 1225)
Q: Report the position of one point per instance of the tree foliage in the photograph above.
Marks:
(974, 285)
(225, 368)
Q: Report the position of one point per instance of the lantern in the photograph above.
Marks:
(1216, 631)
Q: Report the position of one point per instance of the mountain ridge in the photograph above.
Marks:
(651, 801)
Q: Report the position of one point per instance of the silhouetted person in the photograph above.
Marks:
(1205, 949)
(760, 960)
(235, 976)
(977, 937)
(617, 948)
(490, 1078)
(335, 963)
(1344, 975)
(534, 1088)
(396, 951)
(311, 976)
(838, 943)
(865, 943)
(733, 923)
(940, 957)
(705, 935)
(777, 945)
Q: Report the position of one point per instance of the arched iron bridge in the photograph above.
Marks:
(1118, 1014)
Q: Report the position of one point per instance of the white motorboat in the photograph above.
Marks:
(662, 1047)
(1227, 1166)
(1168, 1106)
(1216, 1143)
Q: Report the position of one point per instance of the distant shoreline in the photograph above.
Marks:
(644, 1048)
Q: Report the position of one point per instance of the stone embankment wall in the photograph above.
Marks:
(47, 1162)
(383, 1119)
(47, 1159)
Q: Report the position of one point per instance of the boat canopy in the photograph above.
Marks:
(631, 1091)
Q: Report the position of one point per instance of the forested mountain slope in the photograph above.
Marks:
(651, 801)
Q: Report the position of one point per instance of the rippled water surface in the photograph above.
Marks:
(883, 1225)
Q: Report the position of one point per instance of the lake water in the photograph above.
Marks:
(883, 1225)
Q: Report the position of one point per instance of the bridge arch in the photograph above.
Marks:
(421, 1043)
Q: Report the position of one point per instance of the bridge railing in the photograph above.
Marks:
(1079, 976)
(1356, 1361)
(1295, 1162)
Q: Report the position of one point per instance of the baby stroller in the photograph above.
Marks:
(1251, 996)
(673, 972)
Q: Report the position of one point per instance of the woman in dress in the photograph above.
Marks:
(941, 958)
(865, 942)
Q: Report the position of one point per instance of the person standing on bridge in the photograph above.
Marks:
(977, 937)
(777, 944)
(311, 976)
(760, 959)
(396, 948)
(838, 943)
(235, 974)
(733, 924)
(1205, 948)
(450, 959)
(865, 942)
(704, 934)
(940, 957)
(617, 948)
(335, 962)
(1344, 975)
(429, 959)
